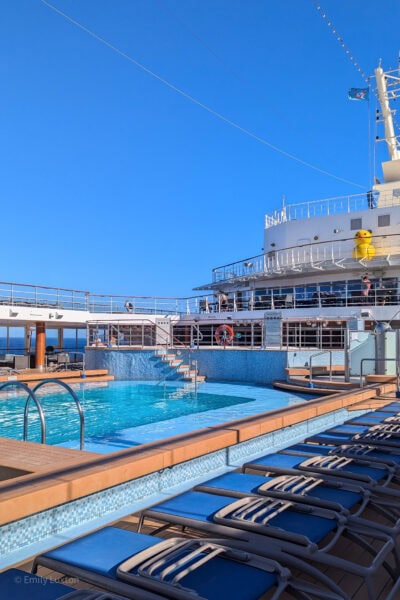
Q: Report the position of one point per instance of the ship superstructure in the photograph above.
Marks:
(325, 263)
(328, 260)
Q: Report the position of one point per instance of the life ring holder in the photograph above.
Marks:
(224, 335)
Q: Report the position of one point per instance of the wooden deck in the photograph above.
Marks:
(32, 377)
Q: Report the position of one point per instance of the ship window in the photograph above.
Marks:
(383, 220)
(355, 224)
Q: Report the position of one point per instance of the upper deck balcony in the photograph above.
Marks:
(333, 256)
(333, 206)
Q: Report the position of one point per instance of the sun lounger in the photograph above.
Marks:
(362, 454)
(341, 496)
(317, 459)
(381, 434)
(145, 567)
(374, 417)
(20, 585)
(309, 533)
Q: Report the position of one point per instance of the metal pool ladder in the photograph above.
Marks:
(32, 395)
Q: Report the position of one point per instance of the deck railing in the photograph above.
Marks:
(37, 296)
(251, 334)
(347, 292)
(331, 206)
(307, 257)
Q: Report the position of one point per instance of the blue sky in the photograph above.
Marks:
(113, 182)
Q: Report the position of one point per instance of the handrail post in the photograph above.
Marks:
(31, 394)
(78, 405)
(361, 373)
(397, 362)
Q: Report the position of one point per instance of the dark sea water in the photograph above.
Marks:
(16, 344)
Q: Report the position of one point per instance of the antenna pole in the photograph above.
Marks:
(386, 114)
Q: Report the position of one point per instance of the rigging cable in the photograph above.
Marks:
(364, 76)
(217, 57)
(366, 79)
(341, 42)
(195, 101)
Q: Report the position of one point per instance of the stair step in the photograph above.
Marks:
(285, 385)
(175, 363)
(323, 383)
(193, 378)
(317, 370)
(168, 357)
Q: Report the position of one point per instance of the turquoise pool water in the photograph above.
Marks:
(124, 413)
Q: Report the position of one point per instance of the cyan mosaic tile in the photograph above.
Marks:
(193, 469)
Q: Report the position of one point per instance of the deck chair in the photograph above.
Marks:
(369, 456)
(309, 533)
(341, 496)
(318, 459)
(145, 567)
(375, 416)
(20, 585)
(380, 434)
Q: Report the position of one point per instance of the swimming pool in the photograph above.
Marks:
(122, 414)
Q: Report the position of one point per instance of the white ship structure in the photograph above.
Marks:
(325, 263)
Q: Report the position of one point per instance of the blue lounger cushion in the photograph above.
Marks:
(103, 551)
(19, 585)
(291, 461)
(247, 483)
(372, 417)
(202, 507)
(319, 449)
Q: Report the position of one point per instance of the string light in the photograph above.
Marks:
(341, 42)
(355, 63)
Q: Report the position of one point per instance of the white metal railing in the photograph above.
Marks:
(332, 206)
(42, 297)
(316, 255)
(347, 292)
(251, 334)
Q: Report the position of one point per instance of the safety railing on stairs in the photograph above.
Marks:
(311, 365)
(378, 360)
(171, 372)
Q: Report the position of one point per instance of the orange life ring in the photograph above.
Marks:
(224, 335)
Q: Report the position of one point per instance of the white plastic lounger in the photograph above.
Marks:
(144, 567)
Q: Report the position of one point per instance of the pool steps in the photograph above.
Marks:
(175, 363)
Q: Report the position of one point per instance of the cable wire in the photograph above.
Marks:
(194, 100)
(341, 41)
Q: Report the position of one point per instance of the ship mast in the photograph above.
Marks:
(384, 81)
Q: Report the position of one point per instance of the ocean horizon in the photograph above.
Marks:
(16, 344)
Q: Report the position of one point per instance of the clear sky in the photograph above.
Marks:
(114, 182)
